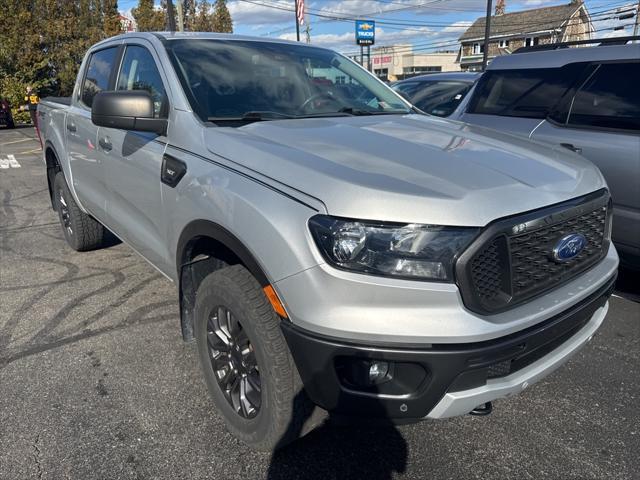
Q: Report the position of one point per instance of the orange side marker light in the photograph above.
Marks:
(275, 301)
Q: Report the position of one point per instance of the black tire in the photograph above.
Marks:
(284, 412)
(81, 231)
(11, 124)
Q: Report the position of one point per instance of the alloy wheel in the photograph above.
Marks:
(234, 362)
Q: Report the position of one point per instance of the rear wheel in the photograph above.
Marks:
(246, 362)
(81, 231)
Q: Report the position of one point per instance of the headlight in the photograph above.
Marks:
(412, 251)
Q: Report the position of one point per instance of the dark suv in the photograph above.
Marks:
(585, 100)
(5, 114)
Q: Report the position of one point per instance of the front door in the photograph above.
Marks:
(133, 161)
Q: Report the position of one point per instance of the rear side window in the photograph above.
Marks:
(139, 72)
(527, 93)
(610, 98)
(101, 65)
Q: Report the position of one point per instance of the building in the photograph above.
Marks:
(510, 31)
(128, 24)
(397, 62)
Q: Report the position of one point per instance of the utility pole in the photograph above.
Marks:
(487, 34)
(171, 19)
(636, 26)
(180, 15)
(295, 13)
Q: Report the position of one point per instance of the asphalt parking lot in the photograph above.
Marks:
(95, 381)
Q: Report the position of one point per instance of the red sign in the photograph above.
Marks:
(379, 60)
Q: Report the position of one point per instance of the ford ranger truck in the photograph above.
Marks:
(334, 249)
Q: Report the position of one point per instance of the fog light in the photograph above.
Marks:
(378, 372)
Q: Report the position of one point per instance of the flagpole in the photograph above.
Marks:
(297, 24)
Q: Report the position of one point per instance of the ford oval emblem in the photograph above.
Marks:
(569, 247)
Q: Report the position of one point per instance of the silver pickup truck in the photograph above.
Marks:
(334, 249)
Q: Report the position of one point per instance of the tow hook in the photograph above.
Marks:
(482, 410)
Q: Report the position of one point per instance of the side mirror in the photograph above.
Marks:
(127, 110)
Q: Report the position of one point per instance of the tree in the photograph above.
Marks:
(189, 12)
(202, 21)
(111, 21)
(147, 17)
(221, 20)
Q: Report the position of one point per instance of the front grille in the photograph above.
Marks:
(532, 266)
(513, 259)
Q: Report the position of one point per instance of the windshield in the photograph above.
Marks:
(439, 98)
(229, 80)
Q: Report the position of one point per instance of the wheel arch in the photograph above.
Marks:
(53, 167)
(203, 247)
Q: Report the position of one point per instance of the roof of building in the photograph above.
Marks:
(526, 21)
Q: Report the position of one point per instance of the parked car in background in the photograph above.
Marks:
(437, 94)
(6, 118)
(586, 100)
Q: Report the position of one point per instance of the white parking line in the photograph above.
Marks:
(16, 141)
(13, 162)
(10, 161)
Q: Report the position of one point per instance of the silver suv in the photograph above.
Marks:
(585, 100)
(333, 249)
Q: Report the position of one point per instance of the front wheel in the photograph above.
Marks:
(246, 362)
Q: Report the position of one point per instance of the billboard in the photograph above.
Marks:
(365, 32)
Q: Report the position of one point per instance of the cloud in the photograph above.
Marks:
(252, 15)
(423, 37)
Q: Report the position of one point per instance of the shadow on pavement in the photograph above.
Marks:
(628, 284)
(371, 453)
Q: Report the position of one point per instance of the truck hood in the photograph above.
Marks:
(407, 168)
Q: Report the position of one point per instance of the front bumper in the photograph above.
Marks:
(443, 380)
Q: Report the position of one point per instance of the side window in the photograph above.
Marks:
(101, 64)
(139, 72)
(526, 93)
(609, 99)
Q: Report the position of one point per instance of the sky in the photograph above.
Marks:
(427, 25)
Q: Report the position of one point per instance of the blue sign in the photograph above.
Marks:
(569, 247)
(365, 32)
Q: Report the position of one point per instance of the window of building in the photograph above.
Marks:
(503, 43)
(101, 64)
(531, 41)
(421, 69)
(381, 73)
(478, 48)
(609, 99)
(139, 72)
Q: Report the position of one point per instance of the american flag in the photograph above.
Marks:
(300, 11)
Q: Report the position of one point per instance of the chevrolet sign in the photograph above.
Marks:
(365, 32)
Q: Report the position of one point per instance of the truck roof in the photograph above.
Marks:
(168, 36)
(559, 58)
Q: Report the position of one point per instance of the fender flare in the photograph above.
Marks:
(191, 272)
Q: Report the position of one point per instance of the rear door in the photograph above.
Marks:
(602, 122)
(87, 173)
(133, 161)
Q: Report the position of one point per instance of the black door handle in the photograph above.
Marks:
(71, 127)
(568, 146)
(105, 144)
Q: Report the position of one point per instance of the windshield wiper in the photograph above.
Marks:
(253, 116)
(360, 111)
(262, 115)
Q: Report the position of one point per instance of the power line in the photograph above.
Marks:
(335, 16)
